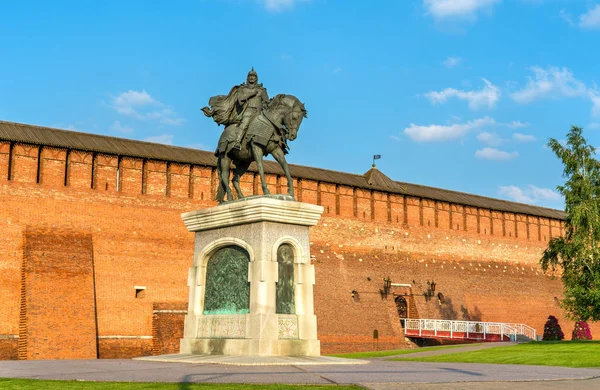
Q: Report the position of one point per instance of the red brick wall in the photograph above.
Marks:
(24, 163)
(131, 175)
(124, 348)
(10, 284)
(167, 327)
(80, 170)
(57, 307)
(346, 323)
(52, 167)
(488, 279)
(4, 153)
(9, 348)
(139, 240)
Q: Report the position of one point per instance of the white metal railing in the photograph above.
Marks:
(527, 331)
(471, 329)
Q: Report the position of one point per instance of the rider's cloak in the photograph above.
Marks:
(223, 109)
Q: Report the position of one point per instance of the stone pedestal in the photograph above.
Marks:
(259, 226)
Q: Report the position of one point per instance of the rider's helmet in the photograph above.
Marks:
(252, 73)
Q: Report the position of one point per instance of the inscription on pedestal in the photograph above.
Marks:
(222, 327)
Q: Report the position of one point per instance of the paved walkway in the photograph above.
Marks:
(446, 351)
(377, 374)
(251, 360)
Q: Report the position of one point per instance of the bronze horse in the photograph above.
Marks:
(267, 134)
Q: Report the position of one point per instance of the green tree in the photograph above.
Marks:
(577, 254)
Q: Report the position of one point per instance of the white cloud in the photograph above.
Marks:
(595, 98)
(445, 9)
(125, 102)
(517, 125)
(495, 154)
(520, 137)
(488, 96)
(492, 139)
(590, 19)
(531, 194)
(451, 62)
(281, 5)
(121, 128)
(436, 133)
(550, 83)
(197, 146)
(593, 126)
(556, 83)
(567, 17)
(166, 139)
(142, 106)
(71, 127)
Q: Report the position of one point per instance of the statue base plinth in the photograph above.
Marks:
(258, 225)
(249, 347)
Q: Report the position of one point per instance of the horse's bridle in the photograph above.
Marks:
(279, 126)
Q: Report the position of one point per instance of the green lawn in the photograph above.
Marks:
(545, 353)
(27, 384)
(376, 354)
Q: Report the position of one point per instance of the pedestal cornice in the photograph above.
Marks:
(251, 210)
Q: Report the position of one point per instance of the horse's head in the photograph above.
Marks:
(293, 119)
(292, 112)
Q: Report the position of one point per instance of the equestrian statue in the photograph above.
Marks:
(255, 126)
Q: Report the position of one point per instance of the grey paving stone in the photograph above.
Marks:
(378, 374)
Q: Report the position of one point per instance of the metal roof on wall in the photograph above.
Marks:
(372, 179)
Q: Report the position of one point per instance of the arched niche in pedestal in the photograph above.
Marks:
(227, 288)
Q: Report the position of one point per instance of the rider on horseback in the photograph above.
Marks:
(243, 103)
(252, 97)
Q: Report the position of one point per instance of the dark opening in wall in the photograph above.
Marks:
(140, 291)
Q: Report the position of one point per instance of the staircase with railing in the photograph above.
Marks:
(467, 330)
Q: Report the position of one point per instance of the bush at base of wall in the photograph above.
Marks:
(581, 331)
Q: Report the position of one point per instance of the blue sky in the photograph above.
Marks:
(455, 94)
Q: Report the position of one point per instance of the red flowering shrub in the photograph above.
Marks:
(552, 330)
(581, 331)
